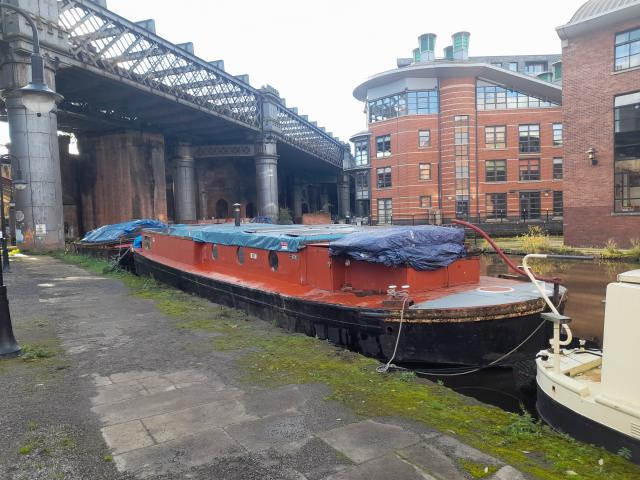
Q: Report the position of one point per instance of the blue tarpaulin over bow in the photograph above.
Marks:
(423, 248)
(121, 231)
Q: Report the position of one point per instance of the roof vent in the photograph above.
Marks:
(448, 53)
(427, 44)
(461, 45)
(416, 55)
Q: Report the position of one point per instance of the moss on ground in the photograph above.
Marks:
(478, 470)
(274, 358)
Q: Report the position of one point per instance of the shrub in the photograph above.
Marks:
(611, 249)
(536, 240)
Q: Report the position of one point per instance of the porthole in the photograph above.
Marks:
(146, 243)
(240, 255)
(273, 260)
(214, 252)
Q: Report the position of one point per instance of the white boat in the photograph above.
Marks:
(594, 394)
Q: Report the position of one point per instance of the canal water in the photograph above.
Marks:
(586, 282)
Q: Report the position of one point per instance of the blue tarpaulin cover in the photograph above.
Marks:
(289, 238)
(120, 231)
(425, 247)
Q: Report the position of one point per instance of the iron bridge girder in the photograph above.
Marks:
(121, 49)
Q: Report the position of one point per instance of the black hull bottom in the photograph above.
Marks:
(365, 331)
(584, 429)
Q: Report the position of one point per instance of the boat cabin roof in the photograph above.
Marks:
(289, 238)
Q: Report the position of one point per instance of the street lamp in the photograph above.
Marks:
(38, 98)
(36, 95)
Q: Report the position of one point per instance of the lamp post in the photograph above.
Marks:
(4, 160)
(40, 99)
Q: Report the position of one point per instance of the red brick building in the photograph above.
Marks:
(460, 137)
(601, 102)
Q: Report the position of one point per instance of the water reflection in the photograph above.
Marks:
(586, 282)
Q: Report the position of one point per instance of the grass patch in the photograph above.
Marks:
(32, 353)
(27, 448)
(274, 358)
(108, 458)
(478, 470)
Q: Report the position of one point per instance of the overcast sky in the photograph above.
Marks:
(316, 53)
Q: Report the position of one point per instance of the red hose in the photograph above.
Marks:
(507, 260)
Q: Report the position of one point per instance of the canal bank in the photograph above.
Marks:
(297, 407)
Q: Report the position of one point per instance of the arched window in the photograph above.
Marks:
(222, 209)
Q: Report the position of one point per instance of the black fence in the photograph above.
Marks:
(502, 227)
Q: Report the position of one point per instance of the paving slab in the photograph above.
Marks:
(462, 451)
(265, 402)
(508, 473)
(178, 455)
(388, 467)
(363, 441)
(159, 403)
(125, 437)
(173, 425)
(433, 461)
(117, 392)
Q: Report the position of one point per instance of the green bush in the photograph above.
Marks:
(536, 240)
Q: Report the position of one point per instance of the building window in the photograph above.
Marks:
(425, 171)
(496, 170)
(627, 153)
(423, 102)
(496, 205)
(362, 152)
(558, 164)
(362, 186)
(557, 135)
(383, 146)
(557, 204)
(497, 64)
(534, 68)
(385, 210)
(493, 97)
(461, 140)
(529, 169)
(529, 205)
(384, 177)
(495, 137)
(529, 138)
(513, 66)
(425, 201)
(628, 49)
(424, 138)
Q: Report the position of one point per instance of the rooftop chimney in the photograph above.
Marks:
(461, 45)
(448, 53)
(427, 43)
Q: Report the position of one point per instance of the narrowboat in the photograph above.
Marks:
(406, 293)
(114, 242)
(593, 394)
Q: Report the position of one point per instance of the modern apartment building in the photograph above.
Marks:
(601, 102)
(474, 138)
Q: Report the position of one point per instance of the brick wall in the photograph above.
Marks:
(457, 97)
(589, 88)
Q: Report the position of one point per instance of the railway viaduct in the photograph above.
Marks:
(162, 133)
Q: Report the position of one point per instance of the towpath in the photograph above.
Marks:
(113, 387)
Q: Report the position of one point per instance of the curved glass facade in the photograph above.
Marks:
(500, 98)
(420, 102)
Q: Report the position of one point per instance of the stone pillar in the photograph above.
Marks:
(34, 143)
(184, 184)
(344, 196)
(297, 199)
(267, 179)
(122, 177)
